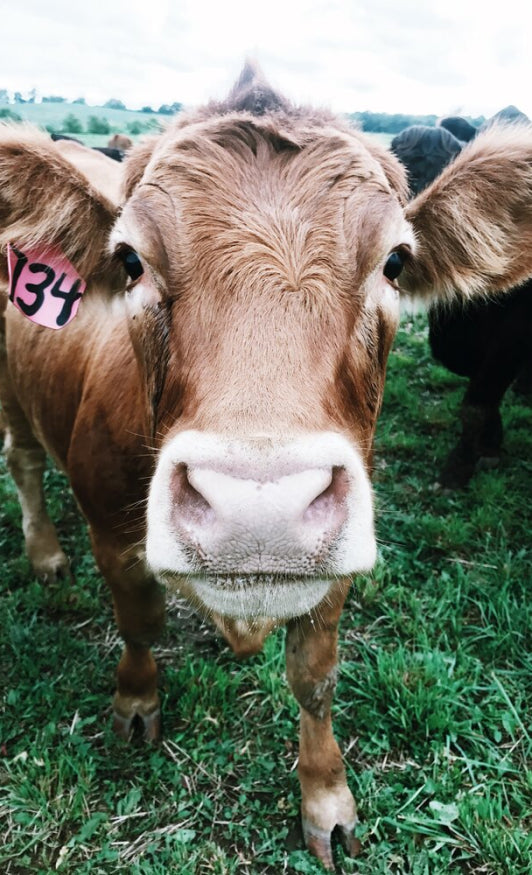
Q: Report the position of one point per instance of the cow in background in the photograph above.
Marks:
(464, 131)
(121, 142)
(239, 311)
(424, 151)
(488, 341)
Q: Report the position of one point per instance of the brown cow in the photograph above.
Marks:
(237, 320)
(120, 141)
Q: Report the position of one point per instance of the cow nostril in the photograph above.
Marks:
(329, 508)
(189, 504)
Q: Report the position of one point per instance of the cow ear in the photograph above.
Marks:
(474, 223)
(45, 200)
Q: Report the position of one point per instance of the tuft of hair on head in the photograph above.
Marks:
(252, 93)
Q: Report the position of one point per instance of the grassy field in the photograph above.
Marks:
(433, 708)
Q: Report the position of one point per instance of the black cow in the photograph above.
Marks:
(488, 341)
(424, 151)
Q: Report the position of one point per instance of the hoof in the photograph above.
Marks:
(318, 842)
(53, 569)
(152, 725)
(122, 726)
(148, 725)
(351, 845)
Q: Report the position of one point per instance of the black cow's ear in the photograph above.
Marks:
(474, 223)
(45, 199)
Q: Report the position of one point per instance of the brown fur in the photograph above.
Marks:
(100, 171)
(136, 163)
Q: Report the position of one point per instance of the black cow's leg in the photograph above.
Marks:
(482, 431)
(523, 382)
(481, 438)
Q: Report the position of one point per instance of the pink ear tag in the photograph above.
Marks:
(44, 285)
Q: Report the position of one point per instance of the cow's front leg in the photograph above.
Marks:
(139, 606)
(327, 802)
(26, 461)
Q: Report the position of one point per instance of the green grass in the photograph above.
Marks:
(433, 708)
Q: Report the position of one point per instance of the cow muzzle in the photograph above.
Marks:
(236, 518)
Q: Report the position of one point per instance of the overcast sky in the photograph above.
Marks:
(418, 56)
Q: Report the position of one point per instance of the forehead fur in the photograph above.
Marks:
(252, 113)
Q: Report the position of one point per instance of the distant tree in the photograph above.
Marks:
(72, 124)
(169, 109)
(32, 96)
(97, 125)
(80, 100)
(4, 96)
(390, 123)
(17, 97)
(146, 109)
(113, 103)
(6, 113)
(54, 98)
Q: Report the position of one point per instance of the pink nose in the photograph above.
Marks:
(244, 525)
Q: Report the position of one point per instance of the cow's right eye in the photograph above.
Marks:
(393, 266)
(132, 264)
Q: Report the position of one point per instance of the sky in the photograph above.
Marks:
(413, 56)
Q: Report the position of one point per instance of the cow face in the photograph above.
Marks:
(262, 305)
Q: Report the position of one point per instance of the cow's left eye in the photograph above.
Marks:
(393, 266)
(132, 264)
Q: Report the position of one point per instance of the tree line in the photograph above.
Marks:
(393, 123)
(112, 103)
